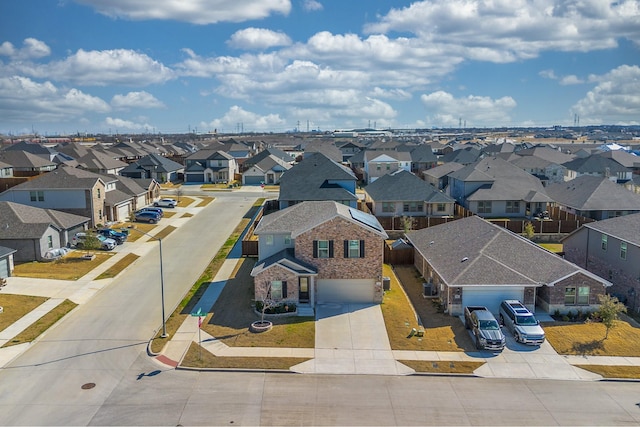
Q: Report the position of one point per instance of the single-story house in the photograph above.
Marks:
(471, 261)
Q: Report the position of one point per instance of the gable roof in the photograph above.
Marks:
(285, 259)
(64, 177)
(423, 154)
(593, 193)
(442, 170)
(158, 163)
(506, 181)
(625, 228)
(24, 159)
(475, 252)
(27, 222)
(398, 156)
(404, 186)
(465, 155)
(271, 151)
(595, 164)
(310, 180)
(96, 160)
(546, 153)
(305, 216)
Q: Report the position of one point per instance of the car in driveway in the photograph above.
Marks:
(521, 322)
(119, 237)
(147, 216)
(106, 244)
(159, 211)
(485, 328)
(166, 203)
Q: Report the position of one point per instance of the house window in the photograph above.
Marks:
(36, 196)
(441, 207)
(412, 206)
(623, 250)
(569, 295)
(98, 193)
(388, 207)
(354, 248)
(484, 207)
(513, 206)
(268, 239)
(604, 242)
(287, 240)
(388, 166)
(278, 289)
(50, 242)
(377, 166)
(323, 248)
(583, 295)
(100, 214)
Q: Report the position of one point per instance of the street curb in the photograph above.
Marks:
(246, 370)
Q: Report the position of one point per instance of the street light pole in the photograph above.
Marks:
(164, 322)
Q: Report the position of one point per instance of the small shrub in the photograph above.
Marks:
(565, 318)
(556, 313)
(579, 315)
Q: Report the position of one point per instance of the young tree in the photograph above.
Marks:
(267, 301)
(610, 308)
(179, 193)
(407, 223)
(529, 231)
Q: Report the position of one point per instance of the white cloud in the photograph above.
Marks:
(32, 48)
(312, 5)
(509, 30)
(571, 80)
(101, 68)
(22, 99)
(446, 110)
(616, 98)
(548, 74)
(121, 124)
(258, 38)
(250, 121)
(136, 100)
(379, 92)
(196, 12)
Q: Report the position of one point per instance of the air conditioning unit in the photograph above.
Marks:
(428, 290)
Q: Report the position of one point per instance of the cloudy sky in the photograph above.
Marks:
(173, 66)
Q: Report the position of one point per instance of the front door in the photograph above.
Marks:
(303, 289)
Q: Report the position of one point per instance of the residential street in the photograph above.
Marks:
(92, 369)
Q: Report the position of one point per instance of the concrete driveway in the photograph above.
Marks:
(352, 339)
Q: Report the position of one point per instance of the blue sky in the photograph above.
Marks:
(170, 66)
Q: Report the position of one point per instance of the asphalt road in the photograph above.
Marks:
(100, 341)
(104, 343)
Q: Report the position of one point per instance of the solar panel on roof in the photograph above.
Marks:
(366, 219)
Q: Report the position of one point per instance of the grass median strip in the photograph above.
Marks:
(42, 324)
(70, 267)
(442, 366)
(197, 357)
(205, 201)
(116, 268)
(16, 306)
(624, 372)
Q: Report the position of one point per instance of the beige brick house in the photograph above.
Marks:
(315, 252)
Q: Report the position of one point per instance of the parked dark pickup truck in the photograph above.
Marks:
(485, 327)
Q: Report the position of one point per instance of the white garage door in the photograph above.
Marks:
(490, 296)
(345, 291)
(4, 267)
(123, 213)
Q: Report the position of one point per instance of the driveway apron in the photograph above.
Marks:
(352, 339)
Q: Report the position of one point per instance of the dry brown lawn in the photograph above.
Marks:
(16, 306)
(116, 268)
(442, 367)
(184, 201)
(164, 232)
(186, 215)
(205, 201)
(442, 332)
(69, 267)
(197, 357)
(134, 227)
(42, 324)
(588, 339)
(233, 314)
(613, 371)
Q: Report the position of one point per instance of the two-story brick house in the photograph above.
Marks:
(611, 249)
(210, 166)
(319, 251)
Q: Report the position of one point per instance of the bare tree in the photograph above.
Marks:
(267, 301)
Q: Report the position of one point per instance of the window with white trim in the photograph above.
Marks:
(623, 250)
(604, 242)
(323, 248)
(484, 207)
(388, 207)
(513, 206)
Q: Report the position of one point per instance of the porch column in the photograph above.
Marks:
(312, 291)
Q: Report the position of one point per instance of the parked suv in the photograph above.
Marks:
(147, 216)
(521, 322)
(166, 203)
(106, 244)
(159, 211)
(119, 237)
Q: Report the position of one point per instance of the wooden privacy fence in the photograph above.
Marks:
(250, 241)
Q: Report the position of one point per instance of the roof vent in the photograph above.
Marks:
(431, 243)
(464, 259)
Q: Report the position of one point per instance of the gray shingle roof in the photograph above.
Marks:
(626, 228)
(62, 178)
(23, 159)
(305, 216)
(308, 180)
(595, 164)
(404, 186)
(474, 252)
(27, 222)
(593, 193)
(286, 259)
(442, 170)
